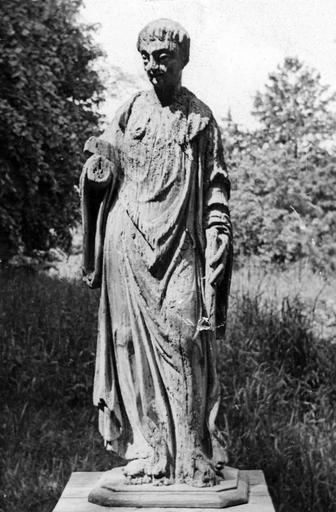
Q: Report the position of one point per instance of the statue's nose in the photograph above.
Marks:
(152, 63)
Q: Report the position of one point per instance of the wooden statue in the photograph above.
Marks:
(157, 240)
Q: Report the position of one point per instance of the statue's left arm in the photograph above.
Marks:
(217, 225)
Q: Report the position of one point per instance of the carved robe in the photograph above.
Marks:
(155, 380)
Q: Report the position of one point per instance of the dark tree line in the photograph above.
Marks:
(283, 172)
(49, 92)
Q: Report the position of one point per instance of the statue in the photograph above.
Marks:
(158, 241)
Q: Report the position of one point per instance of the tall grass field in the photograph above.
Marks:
(277, 370)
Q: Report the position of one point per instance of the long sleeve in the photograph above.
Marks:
(98, 184)
(217, 183)
(216, 222)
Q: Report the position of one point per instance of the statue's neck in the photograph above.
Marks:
(167, 95)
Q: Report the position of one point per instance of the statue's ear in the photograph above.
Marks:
(185, 61)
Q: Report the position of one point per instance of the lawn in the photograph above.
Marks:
(278, 375)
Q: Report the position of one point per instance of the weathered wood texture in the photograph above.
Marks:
(75, 495)
(158, 239)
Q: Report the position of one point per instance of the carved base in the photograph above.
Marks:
(113, 491)
(75, 496)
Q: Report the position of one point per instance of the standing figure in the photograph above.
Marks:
(157, 239)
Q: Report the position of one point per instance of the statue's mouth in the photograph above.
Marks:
(157, 79)
(155, 74)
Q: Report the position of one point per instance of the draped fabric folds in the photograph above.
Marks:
(156, 384)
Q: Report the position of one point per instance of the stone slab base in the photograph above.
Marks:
(75, 496)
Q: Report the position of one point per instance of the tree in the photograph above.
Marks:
(283, 178)
(295, 108)
(237, 140)
(282, 206)
(49, 94)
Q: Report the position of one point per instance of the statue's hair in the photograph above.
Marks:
(165, 29)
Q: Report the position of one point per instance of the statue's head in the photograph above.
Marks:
(164, 46)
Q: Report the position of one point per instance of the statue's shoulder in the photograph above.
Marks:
(197, 106)
(199, 114)
(123, 113)
(119, 120)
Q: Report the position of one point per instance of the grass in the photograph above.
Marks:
(48, 422)
(278, 375)
(279, 403)
(274, 285)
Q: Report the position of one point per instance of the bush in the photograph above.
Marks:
(282, 208)
(49, 92)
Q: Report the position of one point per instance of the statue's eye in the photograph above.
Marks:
(164, 57)
(145, 57)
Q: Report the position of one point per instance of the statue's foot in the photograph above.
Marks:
(149, 470)
(136, 471)
(203, 473)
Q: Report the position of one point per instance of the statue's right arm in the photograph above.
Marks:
(101, 174)
(97, 183)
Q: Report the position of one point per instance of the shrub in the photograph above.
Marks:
(49, 92)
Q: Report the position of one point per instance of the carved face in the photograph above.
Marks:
(163, 63)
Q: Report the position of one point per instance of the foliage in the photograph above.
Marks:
(294, 109)
(282, 174)
(282, 207)
(48, 97)
(278, 381)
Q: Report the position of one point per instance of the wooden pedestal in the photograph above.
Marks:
(75, 496)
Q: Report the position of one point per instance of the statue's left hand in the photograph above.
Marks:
(217, 247)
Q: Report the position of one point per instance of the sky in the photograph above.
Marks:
(235, 44)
